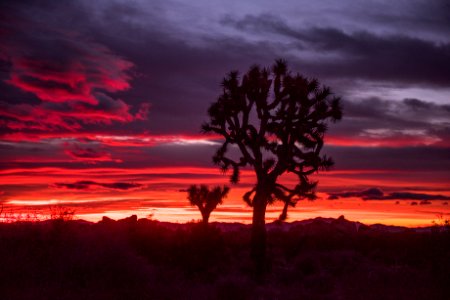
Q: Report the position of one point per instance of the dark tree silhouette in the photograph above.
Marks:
(276, 121)
(205, 199)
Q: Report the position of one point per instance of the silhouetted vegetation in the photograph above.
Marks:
(205, 199)
(277, 119)
(54, 212)
(144, 259)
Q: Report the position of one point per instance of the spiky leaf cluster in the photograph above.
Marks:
(206, 199)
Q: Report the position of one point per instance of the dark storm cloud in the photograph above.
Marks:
(415, 196)
(395, 123)
(415, 16)
(419, 105)
(407, 110)
(181, 80)
(85, 185)
(369, 194)
(88, 152)
(389, 158)
(361, 54)
(378, 194)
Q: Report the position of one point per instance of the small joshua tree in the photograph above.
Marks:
(274, 121)
(205, 199)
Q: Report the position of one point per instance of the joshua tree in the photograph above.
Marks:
(273, 121)
(206, 200)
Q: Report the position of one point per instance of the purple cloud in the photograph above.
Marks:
(86, 185)
(378, 194)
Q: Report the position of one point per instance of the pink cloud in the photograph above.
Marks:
(143, 112)
(86, 67)
(73, 84)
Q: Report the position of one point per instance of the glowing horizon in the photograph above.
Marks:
(160, 192)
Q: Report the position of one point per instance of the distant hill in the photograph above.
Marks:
(314, 225)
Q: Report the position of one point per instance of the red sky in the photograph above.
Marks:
(101, 105)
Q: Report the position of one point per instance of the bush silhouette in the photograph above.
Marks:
(205, 199)
(277, 119)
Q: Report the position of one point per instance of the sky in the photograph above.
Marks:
(101, 104)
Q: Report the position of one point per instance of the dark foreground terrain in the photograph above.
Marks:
(143, 259)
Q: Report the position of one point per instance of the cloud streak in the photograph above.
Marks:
(378, 194)
(86, 185)
(88, 152)
(408, 122)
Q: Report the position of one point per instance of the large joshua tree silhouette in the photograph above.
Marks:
(273, 121)
(205, 199)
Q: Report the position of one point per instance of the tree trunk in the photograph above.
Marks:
(283, 215)
(258, 246)
(205, 216)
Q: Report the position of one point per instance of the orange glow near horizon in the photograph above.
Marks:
(367, 212)
(159, 193)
